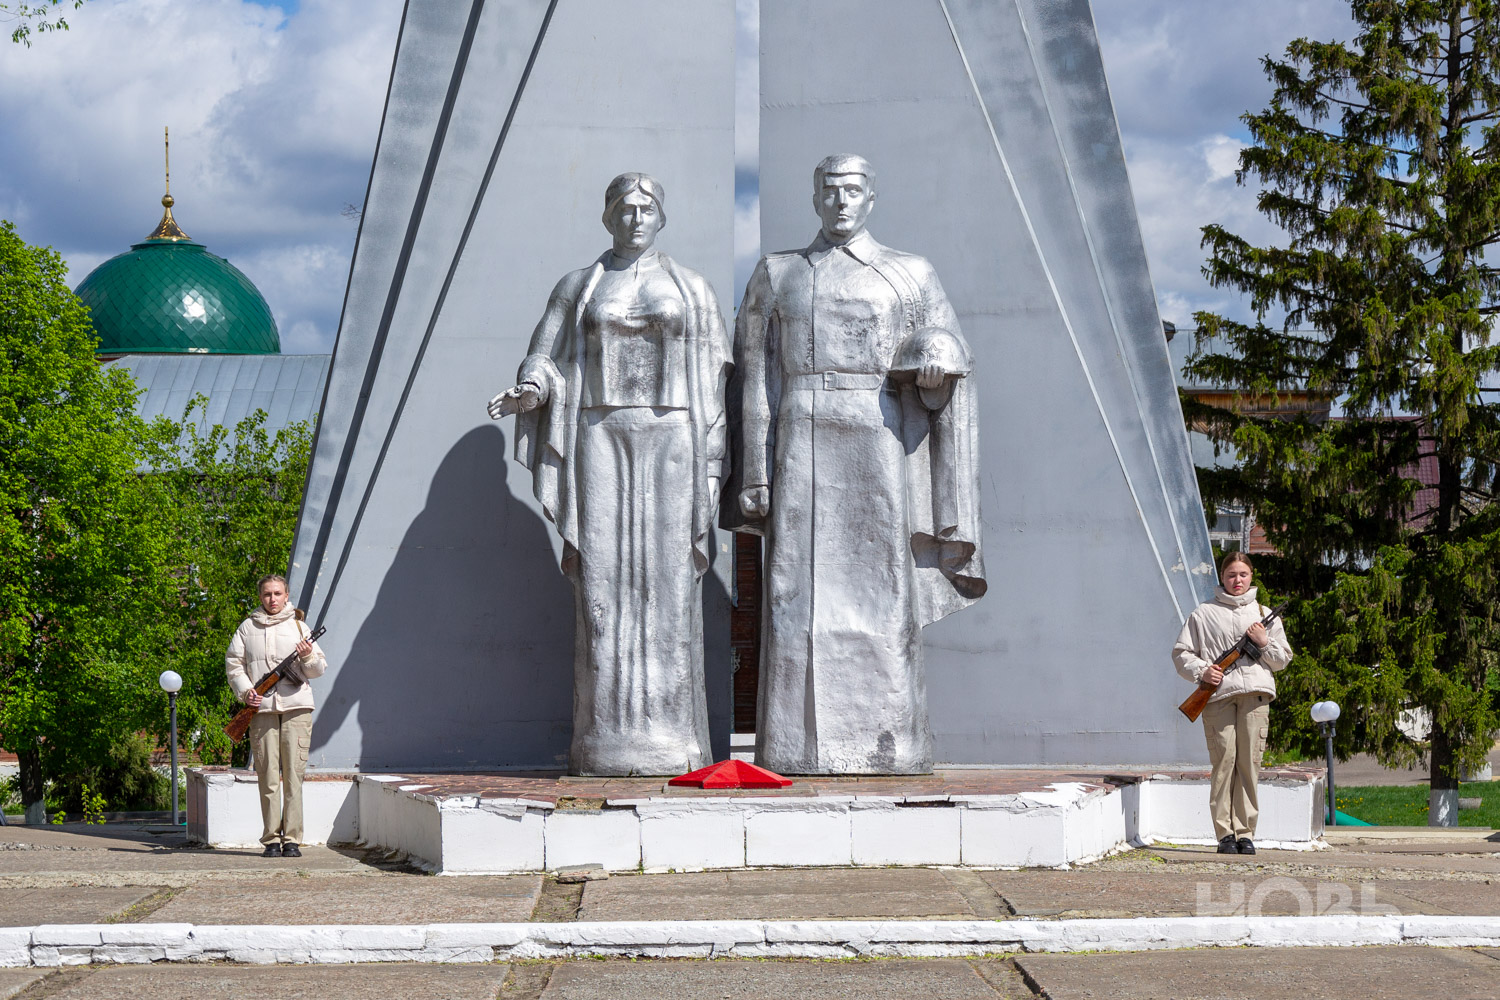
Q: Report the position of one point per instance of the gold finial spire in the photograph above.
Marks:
(167, 229)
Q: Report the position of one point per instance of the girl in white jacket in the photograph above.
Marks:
(1238, 715)
(281, 731)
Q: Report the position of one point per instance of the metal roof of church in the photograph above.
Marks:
(289, 387)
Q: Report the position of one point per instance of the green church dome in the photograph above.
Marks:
(169, 295)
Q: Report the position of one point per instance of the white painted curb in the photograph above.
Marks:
(83, 944)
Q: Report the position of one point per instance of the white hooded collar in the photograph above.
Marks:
(1229, 600)
(266, 621)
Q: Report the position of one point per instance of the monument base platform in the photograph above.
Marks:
(989, 818)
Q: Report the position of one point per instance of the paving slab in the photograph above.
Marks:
(103, 835)
(779, 894)
(334, 899)
(32, 860)
(1470, 899)
(1371, 973)
(67, 905)
(304, 982)
(1004, 978)
(1435, 839)
(932, 979)
(1072, 894)
(1487, 863)
(13, 981)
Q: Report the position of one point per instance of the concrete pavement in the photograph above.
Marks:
(1218, 974)
(131, 875)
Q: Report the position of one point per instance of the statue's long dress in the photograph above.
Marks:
(634, 466)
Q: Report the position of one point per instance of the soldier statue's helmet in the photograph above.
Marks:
(932, 345)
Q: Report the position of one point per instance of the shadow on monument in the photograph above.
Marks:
(466, 659)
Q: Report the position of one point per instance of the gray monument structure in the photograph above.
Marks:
(421, 544)
(991, 125)
(620, 419)
(864, 481)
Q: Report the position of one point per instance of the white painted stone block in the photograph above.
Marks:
(224, 809)
(478, 839)
(692, 835)
(607, 837)
(155, 935)
(399, 821)
(15, 946)
(113, 954)
(382, 938)
(1019, 834)
(1094, 823)
(805, 833)
(1288, 810)
(68, 935)
(1451, 932)
(462, 936)
(1175, 808)
(882, 833)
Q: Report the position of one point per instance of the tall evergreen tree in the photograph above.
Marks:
(1380, 160)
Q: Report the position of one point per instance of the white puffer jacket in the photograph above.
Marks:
(260, 643)
(1216, 625)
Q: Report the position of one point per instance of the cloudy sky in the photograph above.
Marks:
(274, 108)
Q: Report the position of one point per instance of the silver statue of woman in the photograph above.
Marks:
(620, 418)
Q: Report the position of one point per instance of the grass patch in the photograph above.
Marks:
(1406, 805)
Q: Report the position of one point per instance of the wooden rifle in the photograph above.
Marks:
(1193, 707)
(287, 669)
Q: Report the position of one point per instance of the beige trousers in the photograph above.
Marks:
(281, 740)
(1236, 730)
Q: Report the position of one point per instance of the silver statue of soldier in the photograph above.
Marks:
(620, 405)
(856, 457)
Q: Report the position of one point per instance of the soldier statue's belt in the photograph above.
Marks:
(836, 380)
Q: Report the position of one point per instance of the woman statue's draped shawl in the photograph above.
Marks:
(546, 436)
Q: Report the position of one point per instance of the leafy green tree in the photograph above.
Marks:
(84, 564)
(41, 16)
(1378, 159)
(233, 496)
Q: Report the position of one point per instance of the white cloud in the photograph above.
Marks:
(273, 118)
(1181, 75)
(1222, 156)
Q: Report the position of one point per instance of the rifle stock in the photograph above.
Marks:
(1198, 700)
(239, 725)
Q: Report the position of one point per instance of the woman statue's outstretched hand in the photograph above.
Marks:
(518, 399)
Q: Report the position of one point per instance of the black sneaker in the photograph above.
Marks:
(1227, 846)
(271, 851)
(290, 851)
(1246, 845)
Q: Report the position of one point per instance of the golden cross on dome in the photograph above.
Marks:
(168, 229)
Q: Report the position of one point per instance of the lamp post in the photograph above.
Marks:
(1325, 714)
(171, 682)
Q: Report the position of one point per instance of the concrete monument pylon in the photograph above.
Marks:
(991, 126)
(421, 547)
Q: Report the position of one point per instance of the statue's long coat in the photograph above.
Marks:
(873, 532)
